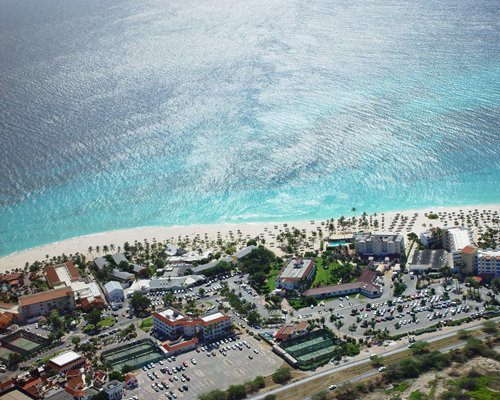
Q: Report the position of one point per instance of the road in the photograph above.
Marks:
(360, 377)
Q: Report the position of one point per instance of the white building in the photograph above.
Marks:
(114, 389)
(379, 244)
(175, 325)
(455, 239)
(296, 274)
(114, 291)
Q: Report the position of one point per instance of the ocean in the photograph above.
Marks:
(117, 114)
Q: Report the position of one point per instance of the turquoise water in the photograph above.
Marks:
(337, 243)
(120, 114)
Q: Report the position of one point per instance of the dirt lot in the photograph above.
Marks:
(434, 384)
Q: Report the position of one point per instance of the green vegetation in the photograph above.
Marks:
(235, 392)
(474, 386)
(418, 395)
(140, 304)
(282, 375)
(106, 322)
(399, 288)
(260, 264)
(146, 324)
(432, 216)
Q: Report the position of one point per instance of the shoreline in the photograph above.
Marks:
(226, 231)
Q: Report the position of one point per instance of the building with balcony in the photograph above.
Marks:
(183, 331)
(455, 240)
(41, 304)
(379, 244)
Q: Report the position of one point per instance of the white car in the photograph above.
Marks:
(332, 387)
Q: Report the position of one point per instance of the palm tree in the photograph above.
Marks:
(91, 249)
(339, 324)
(98, 249)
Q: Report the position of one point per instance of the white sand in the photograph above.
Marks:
(387, 222)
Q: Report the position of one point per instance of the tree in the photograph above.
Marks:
(94, 317)
(116, 375)
(420, 347)
(213, 395)
(339, 324)
(139, 303)
(75, 340)
(490, 326)
(282, 375)
(54, 320)
(236, 392)
(102, 395)
(126, 369)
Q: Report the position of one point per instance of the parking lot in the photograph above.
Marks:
(206, 372)
(405, 314)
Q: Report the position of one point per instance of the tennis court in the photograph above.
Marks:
(5, 353)
(312, 349)
(25, 344)
(136, 355)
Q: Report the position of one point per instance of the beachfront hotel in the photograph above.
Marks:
(379, 244)
(297, 274)
(485, 263)
(41, 304)
(455, 240)
(175, 325)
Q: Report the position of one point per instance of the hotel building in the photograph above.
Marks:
(379, 244)
(296, 274)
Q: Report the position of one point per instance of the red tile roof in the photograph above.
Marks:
(468, 250)
(45, 296)
(177, 346)
(52, 277)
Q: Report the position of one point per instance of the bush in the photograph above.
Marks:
(320, 395)
(270, 397)
(236, 392)
(282, 375)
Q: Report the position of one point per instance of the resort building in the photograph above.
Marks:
(114, 291)
(432, 238)
(297, 274)
(41, 304)
(61, 274)
(379, 244)
(66, 361)
(455, 240)
(289, 331)
(485, 263)
(488, 263)
(87, 294)
(164, 284)
(233, 258)
(426, 261)
(182, 330)
(364, 285)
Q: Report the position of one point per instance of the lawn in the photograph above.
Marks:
(106, 322)
(323, 275)
(271, 278)
(399, 388)
(146, 324)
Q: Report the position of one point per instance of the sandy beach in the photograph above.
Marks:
(404, 222)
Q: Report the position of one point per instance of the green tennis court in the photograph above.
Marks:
(312, 349)
(25, 344)
(136, 355)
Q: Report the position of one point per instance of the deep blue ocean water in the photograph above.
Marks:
(117, 114)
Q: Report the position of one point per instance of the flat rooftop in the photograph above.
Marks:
(171, 314)
(211, 317)
(65, 358)
(459, 238)
(296, 268)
